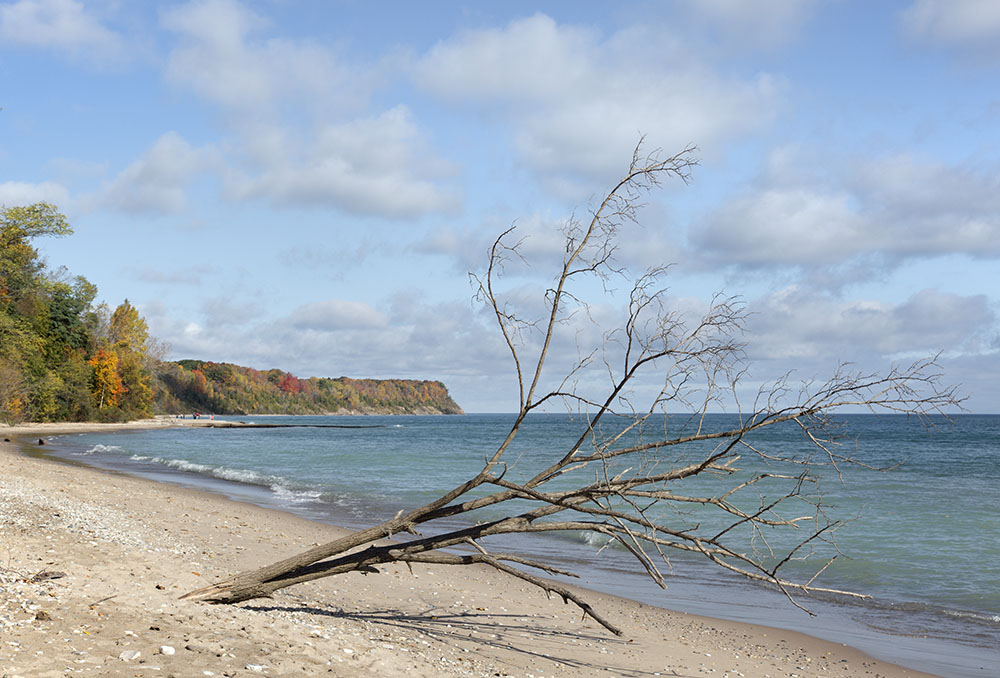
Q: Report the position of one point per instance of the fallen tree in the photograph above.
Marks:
(634, 476)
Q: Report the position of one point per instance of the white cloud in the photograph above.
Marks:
(885, 211)
(802, 325)
(295, 108)
(578, 104)
(530, 60)
(976, 376)
(376, 165)
(930, 208)
(158, 180)
(63, 25)
(541, 245)
(227, 311)
(784, 226)
(13, 193)
(764, 23)
(963, 23)
(218, 59)
(336, 315)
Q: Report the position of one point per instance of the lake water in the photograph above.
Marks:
(924, 541)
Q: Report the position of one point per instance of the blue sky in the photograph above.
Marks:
(306, 185)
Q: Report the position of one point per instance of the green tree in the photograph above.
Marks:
(26, 305)
(69, 306)
(19, 262)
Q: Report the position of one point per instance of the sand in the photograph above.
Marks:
(92, 564)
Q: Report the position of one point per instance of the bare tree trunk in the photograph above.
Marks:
(630, 461)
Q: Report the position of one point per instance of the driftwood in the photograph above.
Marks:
(633, 476)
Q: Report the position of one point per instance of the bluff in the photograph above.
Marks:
(223, 388)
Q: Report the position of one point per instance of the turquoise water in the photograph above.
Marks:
(924, 541)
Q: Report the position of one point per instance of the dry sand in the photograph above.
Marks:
(92, 564)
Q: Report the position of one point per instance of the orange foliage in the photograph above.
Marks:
(108, 386)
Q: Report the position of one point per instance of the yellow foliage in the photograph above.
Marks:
(108, 386)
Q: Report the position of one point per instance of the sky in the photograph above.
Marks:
(307, 185)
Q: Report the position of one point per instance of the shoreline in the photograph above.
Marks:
(145, 543)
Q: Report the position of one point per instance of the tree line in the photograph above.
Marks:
(194, 385)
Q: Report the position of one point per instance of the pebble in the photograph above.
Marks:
(167, 650)
(129, 655)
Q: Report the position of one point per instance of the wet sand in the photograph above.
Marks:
(92, 565)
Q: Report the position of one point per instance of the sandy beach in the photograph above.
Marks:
(92, 565)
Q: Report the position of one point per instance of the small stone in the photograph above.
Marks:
(129, 655)
(256, 668)
(167, 650)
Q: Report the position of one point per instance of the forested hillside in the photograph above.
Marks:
(222, 388)
(61, 357)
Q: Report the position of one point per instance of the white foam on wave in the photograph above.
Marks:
(994, 618)
(138, 457)
(236, 475)
(240, 475)
(103, 449)
(595, 539)
(182, 465)
(290, 496)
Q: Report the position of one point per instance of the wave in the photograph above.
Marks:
(292, 496)
(182, 465)
(102, 449)
(975, 616)
(284, 492)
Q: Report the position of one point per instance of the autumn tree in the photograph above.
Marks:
(635, 476)
(108, 385)
(128, 336)
(55, 346)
